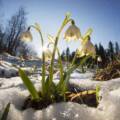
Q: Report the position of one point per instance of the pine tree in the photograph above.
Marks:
(67, 54)
(102, 54)
(117, 49)
(111, 51)
(63, 56)
(96, 48)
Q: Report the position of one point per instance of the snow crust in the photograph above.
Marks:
(12, 90)
(9, 63)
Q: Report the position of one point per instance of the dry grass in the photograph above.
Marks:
(110, 72)
(83, 97)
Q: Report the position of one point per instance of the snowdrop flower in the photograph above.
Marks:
(72, 33)
(87, 48)
(26, 36)
(47, 53)
(99, 59)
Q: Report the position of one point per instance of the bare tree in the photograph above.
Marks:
(2, 45)
(2, 33)
(9, 38)
(16, 25)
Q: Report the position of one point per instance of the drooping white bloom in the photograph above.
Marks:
(48, 54)
(86, 49)
(26, 36)
(99, 59)
(72, 33)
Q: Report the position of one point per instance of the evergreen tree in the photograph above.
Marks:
(67, 54)
(102, 54)
(117, 49)
(72, 55)
(97, 49)
(63, 56)
(111, 51)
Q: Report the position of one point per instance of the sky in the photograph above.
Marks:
(103, 16)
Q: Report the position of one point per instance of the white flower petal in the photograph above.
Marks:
(72, 33)
(87, 49)
(26, 36)
(48, 54)
(99, 59)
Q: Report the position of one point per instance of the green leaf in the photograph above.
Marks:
(61, 70)
(65, 21)
(53, 88)
(84, 59)
(97, 93)
(29, 85)
(43, 76)
(70, 70)
(5, 113)
(47, 91)
(47, 83)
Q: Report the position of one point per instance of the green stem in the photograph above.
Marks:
(43, 59)
(55, 47)
(73, 61)
(43, 66)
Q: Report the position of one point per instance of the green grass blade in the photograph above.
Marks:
(43, 74)
(97, 93)
(61, 86)
(72, 68)
(65, 21)
(29, 85)
(61, 70)
(66, 78)
(5, 113)
(84, 59)
(47, 91)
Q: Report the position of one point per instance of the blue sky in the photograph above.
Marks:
(101, 15)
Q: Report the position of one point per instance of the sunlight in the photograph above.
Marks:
(59, 60)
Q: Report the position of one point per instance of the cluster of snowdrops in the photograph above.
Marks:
(51, 91)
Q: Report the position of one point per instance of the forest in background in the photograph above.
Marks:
(110, 54)
(10, 42)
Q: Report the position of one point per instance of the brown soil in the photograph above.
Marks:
(110, 72)
(84, 97)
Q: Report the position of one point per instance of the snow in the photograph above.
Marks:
(13, 90)
(7, 70)
(9, 65)
(111, 104)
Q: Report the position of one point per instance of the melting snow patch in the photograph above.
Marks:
(12, 90)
